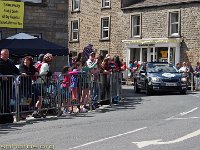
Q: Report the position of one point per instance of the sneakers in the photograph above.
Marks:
(77, 110)
(86, 107)
(65, 112)
(36, 114)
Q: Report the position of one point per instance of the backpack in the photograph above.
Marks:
(37, 67)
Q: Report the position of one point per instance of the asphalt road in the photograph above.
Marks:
(161, 122)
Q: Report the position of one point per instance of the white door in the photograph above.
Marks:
(153, 55)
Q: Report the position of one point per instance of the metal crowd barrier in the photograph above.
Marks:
(8, 92)
(19, 94)
(193, 81)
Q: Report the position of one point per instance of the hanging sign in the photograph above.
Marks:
(11, 14)
(164, 54)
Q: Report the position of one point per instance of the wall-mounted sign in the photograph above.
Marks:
(146, 45)
(164, 54)
(11, 14)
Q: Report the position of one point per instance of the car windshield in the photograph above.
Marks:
(160, 68)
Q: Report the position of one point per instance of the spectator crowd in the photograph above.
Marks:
(76, 79)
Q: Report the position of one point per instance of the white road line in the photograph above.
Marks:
(182, 114)
(112, 137)
(182, 118)
(159, 141)
(196, 96)
(170, 118)
(185, 113)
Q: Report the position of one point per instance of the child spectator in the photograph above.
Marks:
(130, 67)
(66, 87)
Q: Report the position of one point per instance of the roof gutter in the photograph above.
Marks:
(161, 5)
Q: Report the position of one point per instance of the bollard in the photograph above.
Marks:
(111, 83)
(192, 82)
(17, 99)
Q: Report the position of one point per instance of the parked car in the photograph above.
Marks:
(159, 76)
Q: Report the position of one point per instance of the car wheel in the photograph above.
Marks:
(183, 92)
(149, 91)
(136, 89)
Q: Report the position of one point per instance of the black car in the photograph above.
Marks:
(159, 76)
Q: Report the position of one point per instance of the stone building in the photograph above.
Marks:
(46, 19)
(98, 22)
(146, 30)
(163, 30)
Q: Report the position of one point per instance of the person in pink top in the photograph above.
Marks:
(65, 85)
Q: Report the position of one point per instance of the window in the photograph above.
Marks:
(32, 1)
(37, 35)
(75, 5)
(136, 26)
(105, 3)
(174, 23)
(105, 27)
(75, 30)
(103, 53)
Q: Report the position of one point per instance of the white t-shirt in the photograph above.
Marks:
(183, 69)
(43, 72)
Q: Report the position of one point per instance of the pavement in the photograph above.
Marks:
(125, 92)
(29, 118)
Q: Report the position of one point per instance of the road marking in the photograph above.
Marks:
(173, 118)
(185, 113)
(112, 137)
(196, 96)
(159, 141)
(182, 114)
(170, 118)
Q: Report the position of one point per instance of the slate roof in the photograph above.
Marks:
(157, 3)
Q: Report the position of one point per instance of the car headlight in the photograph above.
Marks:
(155, 79)
(183, 79)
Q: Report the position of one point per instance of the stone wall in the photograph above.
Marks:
(154, 25)
(90, 26)
(48, 20)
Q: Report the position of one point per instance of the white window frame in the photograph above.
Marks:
(103, 52)
(133, 26)
(38, 35)
(0, 35)
(106, 28)
(177, 22)
(74, 31)
(33, 1)
(104, 2)
(74, 8)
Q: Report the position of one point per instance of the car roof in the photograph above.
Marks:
(158, 63)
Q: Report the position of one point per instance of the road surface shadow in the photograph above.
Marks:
(9, 127)
(129, 101)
